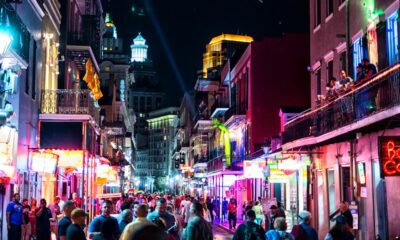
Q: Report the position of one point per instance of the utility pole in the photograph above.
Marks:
(348, 39)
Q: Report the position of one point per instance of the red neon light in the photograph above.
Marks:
(391, 159)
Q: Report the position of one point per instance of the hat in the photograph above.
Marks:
(273, 207)
(77, 212)
(340, 219)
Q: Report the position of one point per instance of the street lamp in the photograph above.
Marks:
(5, 35)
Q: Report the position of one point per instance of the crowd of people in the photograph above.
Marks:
(335, 86)
(161, 216)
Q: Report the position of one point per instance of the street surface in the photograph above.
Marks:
(221, 234)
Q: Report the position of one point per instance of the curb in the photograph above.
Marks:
(225, 228)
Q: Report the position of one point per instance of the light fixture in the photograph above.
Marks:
(5, 34)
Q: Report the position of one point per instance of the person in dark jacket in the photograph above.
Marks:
(345, 212)
(210, 207)
(75, 230)
(340, 230)
(106, 232)
(43, 216)
(198, 228)
(249, 230)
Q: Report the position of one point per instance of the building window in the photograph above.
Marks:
(343, 61)
(357, 55)
(331, 191)
(329, 7)
(345, 187)
(392, 39)
(318, 77)
(317, 13)
(329, 71)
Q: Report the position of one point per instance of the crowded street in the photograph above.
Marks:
(199, 120)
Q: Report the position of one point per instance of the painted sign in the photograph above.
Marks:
(353, 207)
(389, 154)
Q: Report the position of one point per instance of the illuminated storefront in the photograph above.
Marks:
(288, 179)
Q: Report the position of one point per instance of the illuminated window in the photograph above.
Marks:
(392, 40)
(357, 54)
(331, 190)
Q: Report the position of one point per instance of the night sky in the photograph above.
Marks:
(177, 31)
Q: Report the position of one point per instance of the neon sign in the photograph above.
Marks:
(254, 169)
(44, 162)
(390, 156)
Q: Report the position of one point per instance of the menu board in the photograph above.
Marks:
(353, 207)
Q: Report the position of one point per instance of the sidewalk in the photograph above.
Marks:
(225, 225)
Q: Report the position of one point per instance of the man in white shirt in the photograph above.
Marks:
(186, 212)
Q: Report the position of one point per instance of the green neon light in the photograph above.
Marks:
(225, 138)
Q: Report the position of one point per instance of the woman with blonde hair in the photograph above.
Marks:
(206, 212)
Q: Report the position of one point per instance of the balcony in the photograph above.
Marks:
(70, 102)
(235, 110)
(373, 100)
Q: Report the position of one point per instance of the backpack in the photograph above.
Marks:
(299, 233)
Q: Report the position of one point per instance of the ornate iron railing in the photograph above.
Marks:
(380, 92)
(66, 101)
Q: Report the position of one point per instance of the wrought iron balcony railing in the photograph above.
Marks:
(66, 101)
(235, 110)
(380, 92)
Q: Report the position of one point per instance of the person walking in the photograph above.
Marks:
(304, 231)
(249, 230)
(127, 218)
(197, 228)
(106, 232)
(210, 207)
(161, 212)
(64, 223)
(43, 216)
(257, 208)
(75, 230)
(32, 216)
(270, 218)
(14, 218)
(232, 214)
(95, 225)
(26, 224)
(224, 209)
(55, 212)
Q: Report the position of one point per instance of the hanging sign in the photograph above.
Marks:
(45, 162)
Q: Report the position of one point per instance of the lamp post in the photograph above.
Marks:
(5, 34)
